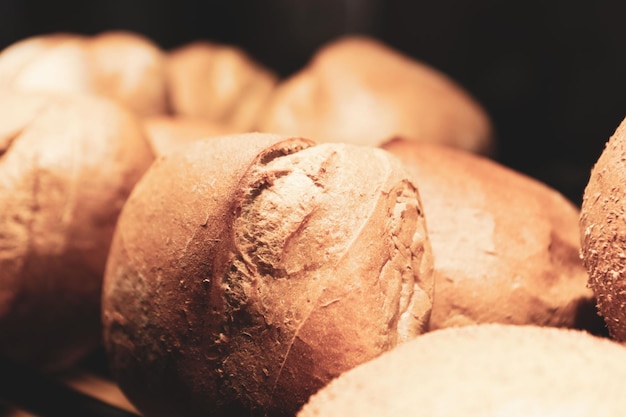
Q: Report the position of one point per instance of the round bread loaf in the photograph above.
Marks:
(219, 83)
(248, 271)
(603, 235)
(488, 370)
(166, 133)
(67, 165)
(506, 247)
(119, 65)
(358, 90)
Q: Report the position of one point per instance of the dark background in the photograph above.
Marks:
(552, 74)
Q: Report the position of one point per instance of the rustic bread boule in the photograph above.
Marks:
(603, 235)
(67, 164)
(488, 370)
(506, 246)
(248, 271)
(358, 90)
(120, 65)
(219, 83)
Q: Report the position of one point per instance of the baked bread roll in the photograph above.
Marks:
(602, 233)
(488, 370)
(248, 271)
(219, 83)
(119, 65)
(67, 165)
(166, 133)
(358, 90)
(506, 247)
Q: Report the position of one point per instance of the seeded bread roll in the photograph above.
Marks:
(358, 90)
(488, 370)
(248, 271)
(603, 235)
(166, 133)
(67, 165)
(506, 247)
(119, 65)
(219, 83)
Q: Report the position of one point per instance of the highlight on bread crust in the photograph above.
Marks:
(603, 235)
(488, 370)
(67, 165)
(358, 90)
(120, 65)
(218, 83)
(248, 271)
(506, 246)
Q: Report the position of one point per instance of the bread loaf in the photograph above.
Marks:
(248, 271)
(603, 235)
(487, 370)
(218, 83)
(120, 65)
(67, 165)
(358, 90)
(506, 246)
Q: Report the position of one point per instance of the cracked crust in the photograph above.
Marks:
(301, 262)
(63, 179)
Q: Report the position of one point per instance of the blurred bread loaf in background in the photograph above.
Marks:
(67, 164)
(506, 246)
(120, 65)
(248, 271)
(218, 83)
(359, 90)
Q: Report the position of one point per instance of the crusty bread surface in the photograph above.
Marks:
(248, 271)
(358, 90)
(603, 235)
(488, 370)
(506, 246)
(219, 83)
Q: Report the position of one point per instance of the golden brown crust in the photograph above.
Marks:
(119, 65)
(487, 370)
(602, 234)
(505, 246)
(266, 271)
(64, 175)
(219, 83)
(357, 90)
